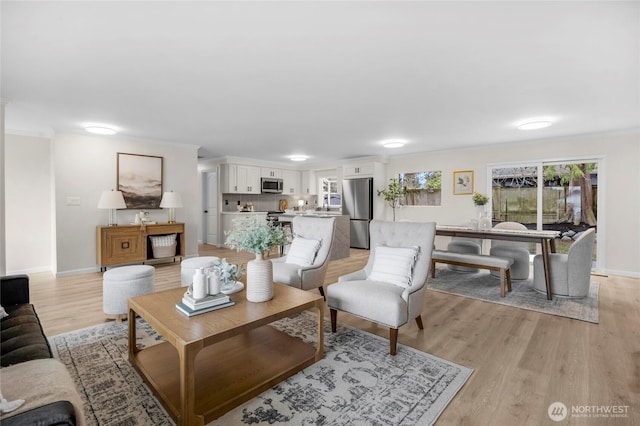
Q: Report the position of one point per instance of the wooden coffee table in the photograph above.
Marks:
(213, 362)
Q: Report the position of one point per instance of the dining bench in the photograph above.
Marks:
(482, 261)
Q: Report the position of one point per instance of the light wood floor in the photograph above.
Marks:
(523, 361)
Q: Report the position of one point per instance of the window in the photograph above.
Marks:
(560, 196)
(330, 196)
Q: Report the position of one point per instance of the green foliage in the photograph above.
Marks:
(255, 236)
(228, 271)
(479, 199)
(393, 193)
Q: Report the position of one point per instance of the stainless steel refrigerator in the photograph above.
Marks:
(357, 202)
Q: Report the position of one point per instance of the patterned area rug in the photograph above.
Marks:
(357, 382)
(483, 286)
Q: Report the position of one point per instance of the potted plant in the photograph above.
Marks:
(392, 195)
(258, 237)
(227, 273)
(480, 200)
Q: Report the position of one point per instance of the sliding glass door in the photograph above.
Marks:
(551, 195)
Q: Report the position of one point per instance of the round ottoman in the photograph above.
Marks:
(466, 246)
(119, 284)
(188, 267)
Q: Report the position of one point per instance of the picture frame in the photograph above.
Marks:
(139, 177)
(462, 182)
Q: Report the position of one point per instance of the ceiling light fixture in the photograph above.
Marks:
(100, 130)
(532, 125)
(298, 158)
(394, 143)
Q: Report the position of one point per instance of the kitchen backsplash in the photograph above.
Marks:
(266, 202)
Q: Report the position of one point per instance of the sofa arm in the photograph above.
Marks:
(14, 290)
(60, 413)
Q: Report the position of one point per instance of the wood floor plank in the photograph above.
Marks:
(522, 360)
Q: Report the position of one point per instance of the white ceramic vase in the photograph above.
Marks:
(259, 279)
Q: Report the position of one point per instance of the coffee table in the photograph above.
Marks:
(213, 362)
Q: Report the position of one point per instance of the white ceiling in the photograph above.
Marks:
(327, 79)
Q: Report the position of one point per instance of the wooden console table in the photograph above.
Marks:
(117, 245)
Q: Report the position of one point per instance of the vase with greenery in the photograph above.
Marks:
(480, 201)
(393, 194)
(258, 237)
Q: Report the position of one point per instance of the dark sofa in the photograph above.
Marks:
(24, 346)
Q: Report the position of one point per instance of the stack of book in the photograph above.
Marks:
(190, 306)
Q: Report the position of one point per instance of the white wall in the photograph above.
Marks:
(619, 215)
(28, 204)
(81, 166)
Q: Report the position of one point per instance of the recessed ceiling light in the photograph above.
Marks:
(532, 125)
(394, 143)
(100, 130)
(298, 158)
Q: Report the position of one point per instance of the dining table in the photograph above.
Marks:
(545, 238)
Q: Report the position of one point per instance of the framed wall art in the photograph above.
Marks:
(140, 180)
(463, 182)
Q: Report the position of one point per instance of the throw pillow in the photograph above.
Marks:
(394, 265)
(303, 251)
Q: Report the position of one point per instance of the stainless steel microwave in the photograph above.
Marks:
(271, 186)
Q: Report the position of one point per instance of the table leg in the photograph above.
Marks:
(133, 347)
(547, 272)
(552, 244)
(187, 416)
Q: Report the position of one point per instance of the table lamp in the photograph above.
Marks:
(171, 200)
(112, 200)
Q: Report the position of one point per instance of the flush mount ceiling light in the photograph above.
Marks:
(534, 124)
(99, 130)
(298, 158)
(394, 143)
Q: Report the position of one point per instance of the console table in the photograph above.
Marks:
(117, 245)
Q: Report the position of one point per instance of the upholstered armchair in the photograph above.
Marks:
(306, 262)
(571, 272)
(516, 250)
(390, 289)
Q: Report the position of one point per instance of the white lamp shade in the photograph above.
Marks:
(171, 200)
(111, 200)
(301, 203)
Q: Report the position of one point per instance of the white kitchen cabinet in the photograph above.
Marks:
(239, 179)
(308, 183)
(291, 182)
(270, 173)
(358, 170)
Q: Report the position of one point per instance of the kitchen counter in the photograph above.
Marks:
(341, 236)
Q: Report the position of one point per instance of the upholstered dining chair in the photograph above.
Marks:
(516, 250)
(306, 262)
(571, 272)
(390, 289)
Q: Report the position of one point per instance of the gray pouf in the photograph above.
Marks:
(465, 246)
(119, 284)
(188, 267)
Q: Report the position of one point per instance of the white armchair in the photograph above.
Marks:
(390, 289)
(305, 265)
(571, 272)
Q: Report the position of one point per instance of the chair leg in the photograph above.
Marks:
(393, 340)
(502, 280)
(433, 268)
(419, 322)
(334, 319)
(321, 290)
(509, 279)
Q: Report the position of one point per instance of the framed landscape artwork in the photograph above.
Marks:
(463, 182)
(422, 188)
(140, 180)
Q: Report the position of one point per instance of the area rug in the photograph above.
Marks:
(357, 381)
(484, 286)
